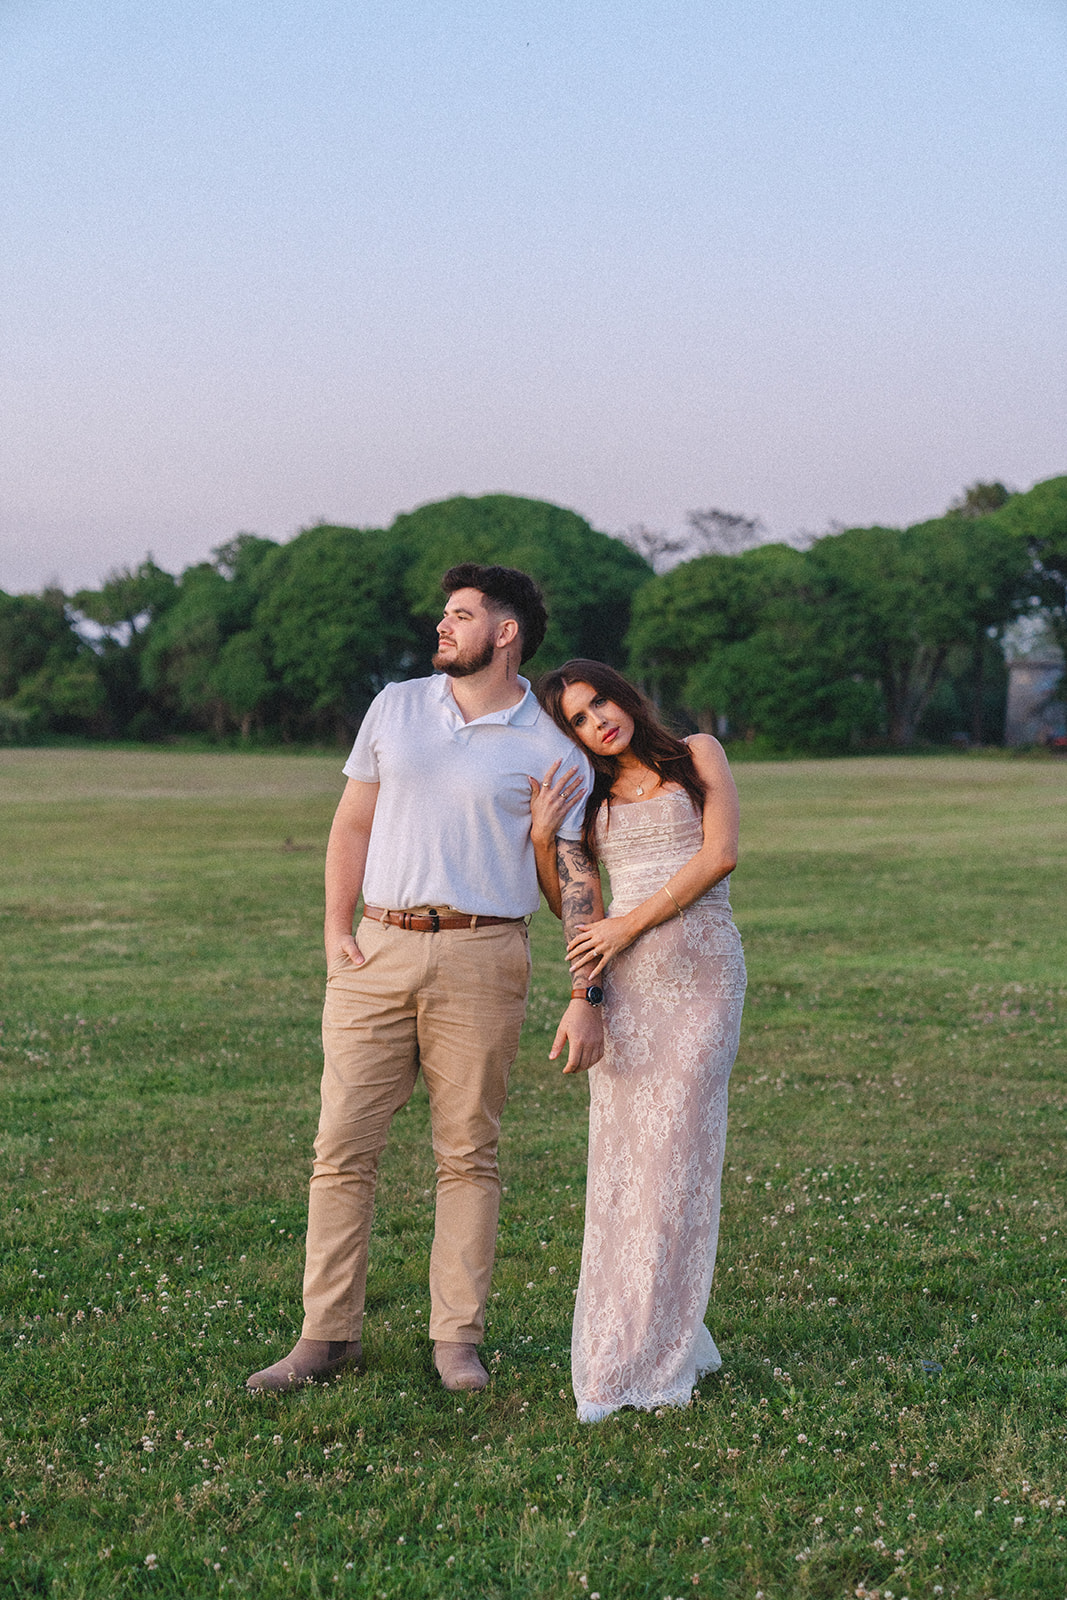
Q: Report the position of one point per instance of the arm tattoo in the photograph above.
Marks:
(577, 880)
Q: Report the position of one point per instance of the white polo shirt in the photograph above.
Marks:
(452, 822)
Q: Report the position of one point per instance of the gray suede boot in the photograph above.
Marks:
(459, 1366)
(309, 1361)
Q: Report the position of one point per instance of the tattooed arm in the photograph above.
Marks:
(581, 1027)
(550, 801)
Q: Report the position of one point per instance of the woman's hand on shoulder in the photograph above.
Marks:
(550, 801)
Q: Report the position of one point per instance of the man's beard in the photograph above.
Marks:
(460, 665)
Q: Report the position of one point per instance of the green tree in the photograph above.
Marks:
(589, 579)
(190, 661)
(63, 696)
(690, 615)
(749, 640)
(182, 647)
(34, 630)
(333, 625)
(906, 597)
(790, 681)
(241, 681)
(48, 675)
(979, 499)
(241, 559)
(129, 599)
(818, 649)
(1038, 519)
(125, 608)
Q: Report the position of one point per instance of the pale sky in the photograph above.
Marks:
(269, 262)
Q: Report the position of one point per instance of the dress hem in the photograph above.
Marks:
(599, 1411)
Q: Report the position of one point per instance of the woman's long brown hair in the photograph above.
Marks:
(668, 756)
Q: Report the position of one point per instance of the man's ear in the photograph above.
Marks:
(507, 632)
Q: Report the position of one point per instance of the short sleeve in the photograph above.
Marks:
(571, 826)
(362, 764)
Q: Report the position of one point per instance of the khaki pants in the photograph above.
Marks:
(451, 1003)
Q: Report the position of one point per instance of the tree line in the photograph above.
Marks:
(868, 636)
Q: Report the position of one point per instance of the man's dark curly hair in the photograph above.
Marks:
(507, 592)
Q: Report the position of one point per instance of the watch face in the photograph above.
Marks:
(595, 995)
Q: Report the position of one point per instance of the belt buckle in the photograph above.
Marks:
(435, 920)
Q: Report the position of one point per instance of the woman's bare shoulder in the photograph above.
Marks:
(709, 757)
(705, 744)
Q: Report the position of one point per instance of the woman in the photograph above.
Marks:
(662, 817)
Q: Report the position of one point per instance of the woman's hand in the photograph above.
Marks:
(550, 801)
(601, 941)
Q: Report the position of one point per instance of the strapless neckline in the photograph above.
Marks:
(628, 805)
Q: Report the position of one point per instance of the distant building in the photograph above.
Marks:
(1035, 675)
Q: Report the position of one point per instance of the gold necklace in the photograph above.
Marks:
(640, 789)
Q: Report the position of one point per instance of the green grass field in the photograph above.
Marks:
(894, 1197)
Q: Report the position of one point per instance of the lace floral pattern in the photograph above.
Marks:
(657, 1127)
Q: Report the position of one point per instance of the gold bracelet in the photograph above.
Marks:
(672, 900)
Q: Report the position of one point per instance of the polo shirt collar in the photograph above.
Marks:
(521, 715)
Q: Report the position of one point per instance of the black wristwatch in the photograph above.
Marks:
(593, 993)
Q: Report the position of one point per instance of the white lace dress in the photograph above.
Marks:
(657, 1126)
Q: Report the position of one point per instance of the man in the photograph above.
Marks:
(434, 829)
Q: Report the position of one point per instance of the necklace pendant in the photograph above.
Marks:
(640, 788)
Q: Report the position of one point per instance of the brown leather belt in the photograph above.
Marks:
(431, 921)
